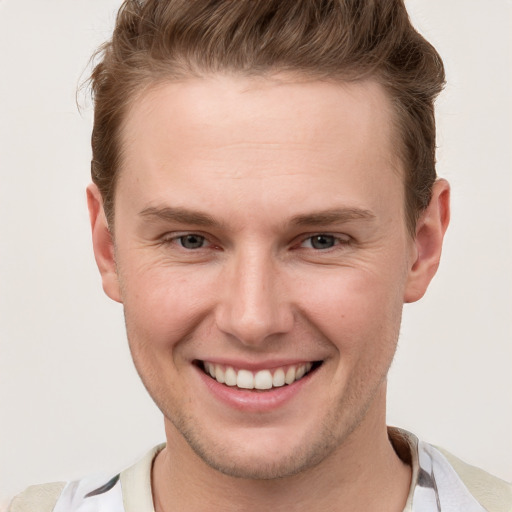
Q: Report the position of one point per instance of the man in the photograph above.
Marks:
(264, 202)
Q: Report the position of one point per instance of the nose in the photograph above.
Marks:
(254, 306)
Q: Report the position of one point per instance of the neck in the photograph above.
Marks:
(364, 474)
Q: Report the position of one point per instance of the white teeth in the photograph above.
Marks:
(219, 374)
(245, 379)
(290, 375)
(278, 378)
(263, 379)
(230, 376)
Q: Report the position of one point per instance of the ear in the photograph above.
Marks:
(103, 243)
(428, 242)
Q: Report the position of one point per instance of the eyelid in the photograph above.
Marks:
(174, 236)
(340, 238)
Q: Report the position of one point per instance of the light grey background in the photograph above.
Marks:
(70, 400)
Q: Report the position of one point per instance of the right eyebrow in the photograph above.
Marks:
(178, 215)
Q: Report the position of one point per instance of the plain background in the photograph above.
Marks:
(71, 402)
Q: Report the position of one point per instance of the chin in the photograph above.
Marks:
(261, 455)
(258, 466)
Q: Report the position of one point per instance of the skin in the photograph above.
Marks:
(258, 167)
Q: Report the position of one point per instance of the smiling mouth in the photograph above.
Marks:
(262, 380)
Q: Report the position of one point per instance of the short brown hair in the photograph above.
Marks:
(158, 40)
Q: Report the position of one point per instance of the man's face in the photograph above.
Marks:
(260, 234)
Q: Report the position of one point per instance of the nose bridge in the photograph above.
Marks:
(254, 306)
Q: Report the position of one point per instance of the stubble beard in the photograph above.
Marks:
(314, 448)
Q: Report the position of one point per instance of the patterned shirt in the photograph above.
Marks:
(440, 483)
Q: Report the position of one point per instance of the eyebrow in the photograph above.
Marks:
(180, 215)
(335, 216)
(193, 217)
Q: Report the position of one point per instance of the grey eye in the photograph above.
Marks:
(322, 241)
(192, 241)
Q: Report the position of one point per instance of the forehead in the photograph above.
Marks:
(256, 104)
(256, 135)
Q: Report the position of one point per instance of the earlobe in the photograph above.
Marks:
(103, 243)
(428, 242)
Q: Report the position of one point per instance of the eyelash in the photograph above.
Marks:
(336, 239)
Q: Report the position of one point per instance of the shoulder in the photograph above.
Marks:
(129, 491)
(37, 498)
(441, 481)
(493, 493)
(136, 483)
(94, 494)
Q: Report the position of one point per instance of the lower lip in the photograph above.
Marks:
(253, 400)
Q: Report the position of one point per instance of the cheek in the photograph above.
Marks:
(163, 305)
(354, 308)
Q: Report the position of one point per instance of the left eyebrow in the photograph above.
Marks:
(179, 215)
(335, 216)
